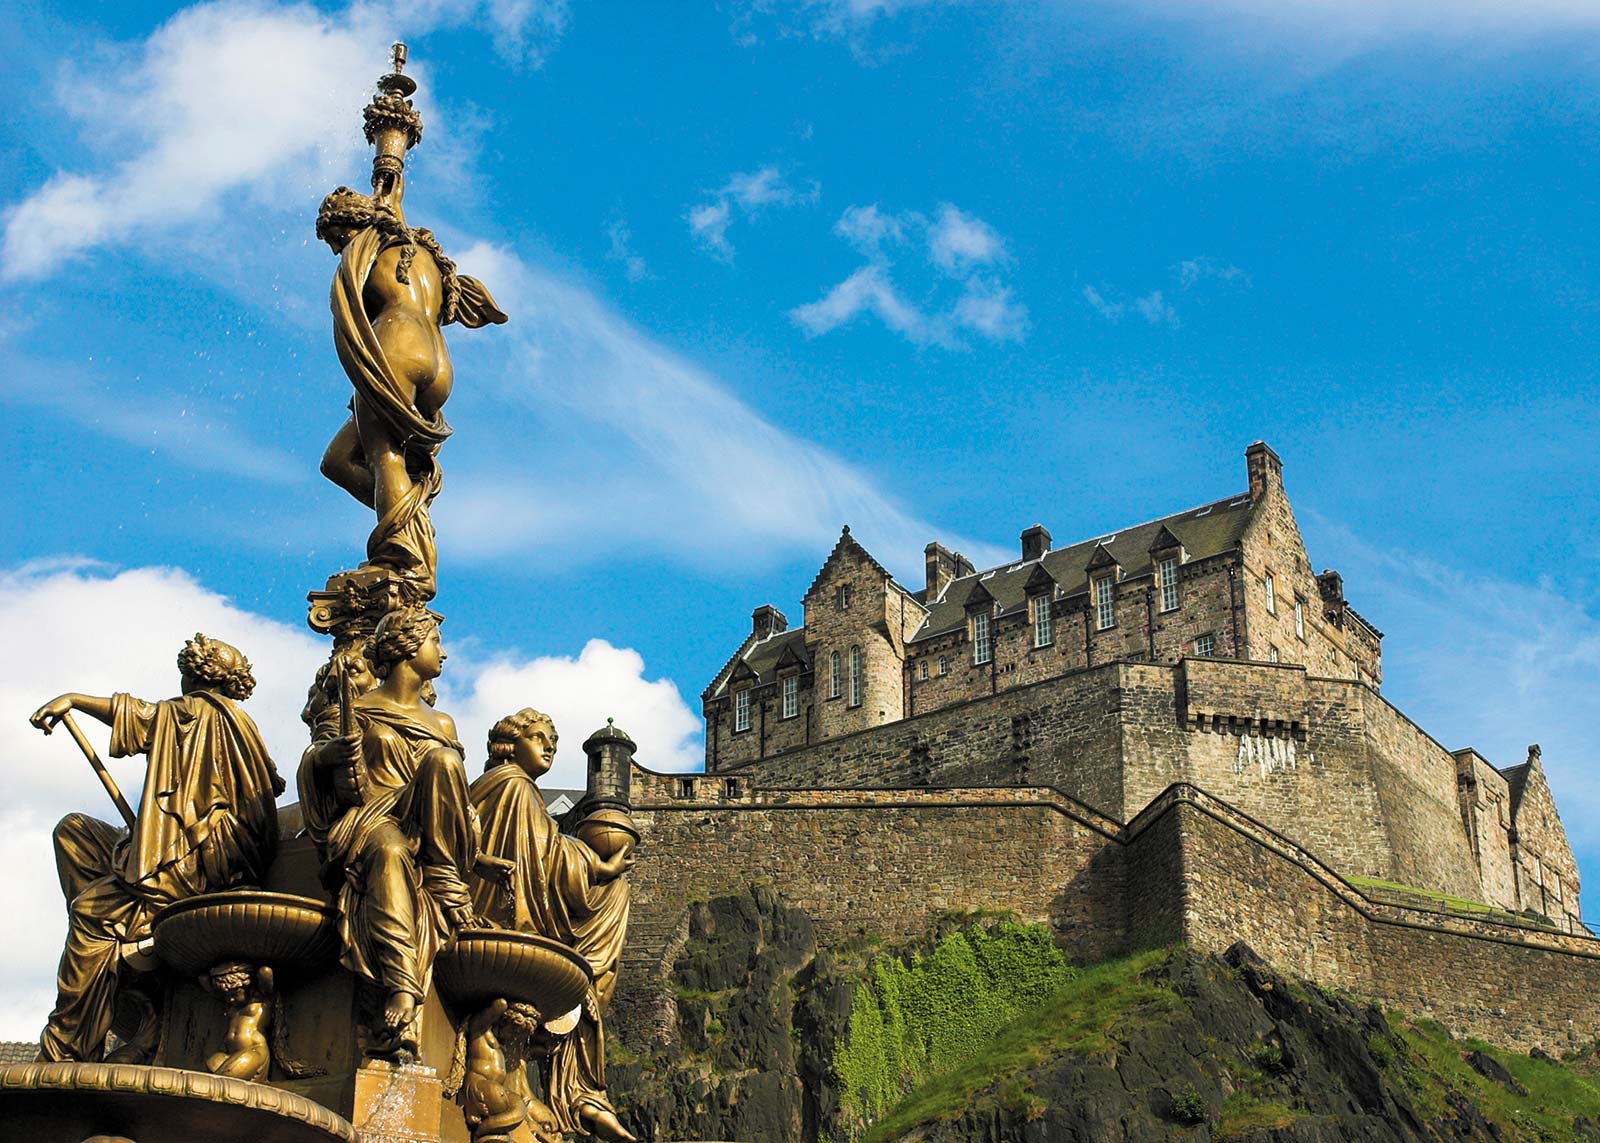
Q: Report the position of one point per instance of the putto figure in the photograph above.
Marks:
(207, 821)
(388, 799)
(393, 294)
(561, 888)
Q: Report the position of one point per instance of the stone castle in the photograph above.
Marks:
(1173, 732)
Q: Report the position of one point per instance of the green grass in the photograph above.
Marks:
(1079, 1018)
(1556, 1093)
(1443, 900)
(1243, 1113)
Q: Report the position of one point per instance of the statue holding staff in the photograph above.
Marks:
(207, 821)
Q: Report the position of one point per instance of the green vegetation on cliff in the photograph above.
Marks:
(927, 1012)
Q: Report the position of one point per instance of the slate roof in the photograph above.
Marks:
(1208, 530)
(18, 1052)
(762, 658)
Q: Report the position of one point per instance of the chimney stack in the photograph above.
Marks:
(1264, 468)
(1035, 542)
(767, 620)
(940, 565)
(963, 565)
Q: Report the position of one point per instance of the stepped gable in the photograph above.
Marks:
(1209, 530)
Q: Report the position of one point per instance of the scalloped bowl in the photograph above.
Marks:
(483, 965)
(248, 925)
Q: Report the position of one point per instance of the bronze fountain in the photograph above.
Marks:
(403, 954)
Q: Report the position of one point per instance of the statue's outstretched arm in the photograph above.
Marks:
(46, 717)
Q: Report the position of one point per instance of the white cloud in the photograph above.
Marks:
(964, 249)
(621, 250)
(746, 194)
(1155, 309)
(76, 626)
(199, 132)
(1155, 306)
(959, 243)
(581, 693)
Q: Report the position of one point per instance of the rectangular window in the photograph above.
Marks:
(982, 643)
(1043, 635)
(1299, 619)
(944, 664)
(833, 675)
(855, 676)
(741, 710)
(1205, 644)
(841, 597)
(1105, 611)
(1168, 572)
(1272, 597)
(791, 696)
(1272, 654)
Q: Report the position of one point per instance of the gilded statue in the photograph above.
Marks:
(561, 888)
(393, 293)
(247, 993)
(206, 822)
(386, 794)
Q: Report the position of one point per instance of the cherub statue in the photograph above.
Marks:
(247, 992)
(492, 1108)
(207, 821)
(394, 292)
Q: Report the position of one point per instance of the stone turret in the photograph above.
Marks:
(610, 754)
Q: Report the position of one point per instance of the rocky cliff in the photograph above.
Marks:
(982, 1032)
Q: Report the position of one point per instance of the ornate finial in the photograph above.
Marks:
(611, 721)
(846, 531)
(393, 125)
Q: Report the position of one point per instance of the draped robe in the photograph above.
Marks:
(207, 821)
(398, 858)
(554, 892)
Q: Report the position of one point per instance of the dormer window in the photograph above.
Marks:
(841, 597)
(1043, 631)
(1105, 609)
(1167, 575)
(741, 710)
(982, 638)
(1272, 595)
(791, 696)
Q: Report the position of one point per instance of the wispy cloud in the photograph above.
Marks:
(744, 195)
(679, 461)
(965, 251)
(1484, 662)
(664, 448)
(1156, 306)
(204, 132)
(621, 250)
(98, 630)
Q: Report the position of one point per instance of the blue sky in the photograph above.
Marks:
(935, 270)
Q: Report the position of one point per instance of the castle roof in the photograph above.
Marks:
(1208, 530)
(763, 658)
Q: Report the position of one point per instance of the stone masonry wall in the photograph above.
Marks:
(1516, 987)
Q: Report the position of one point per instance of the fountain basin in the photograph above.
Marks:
(484, 965)
(247, 925)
